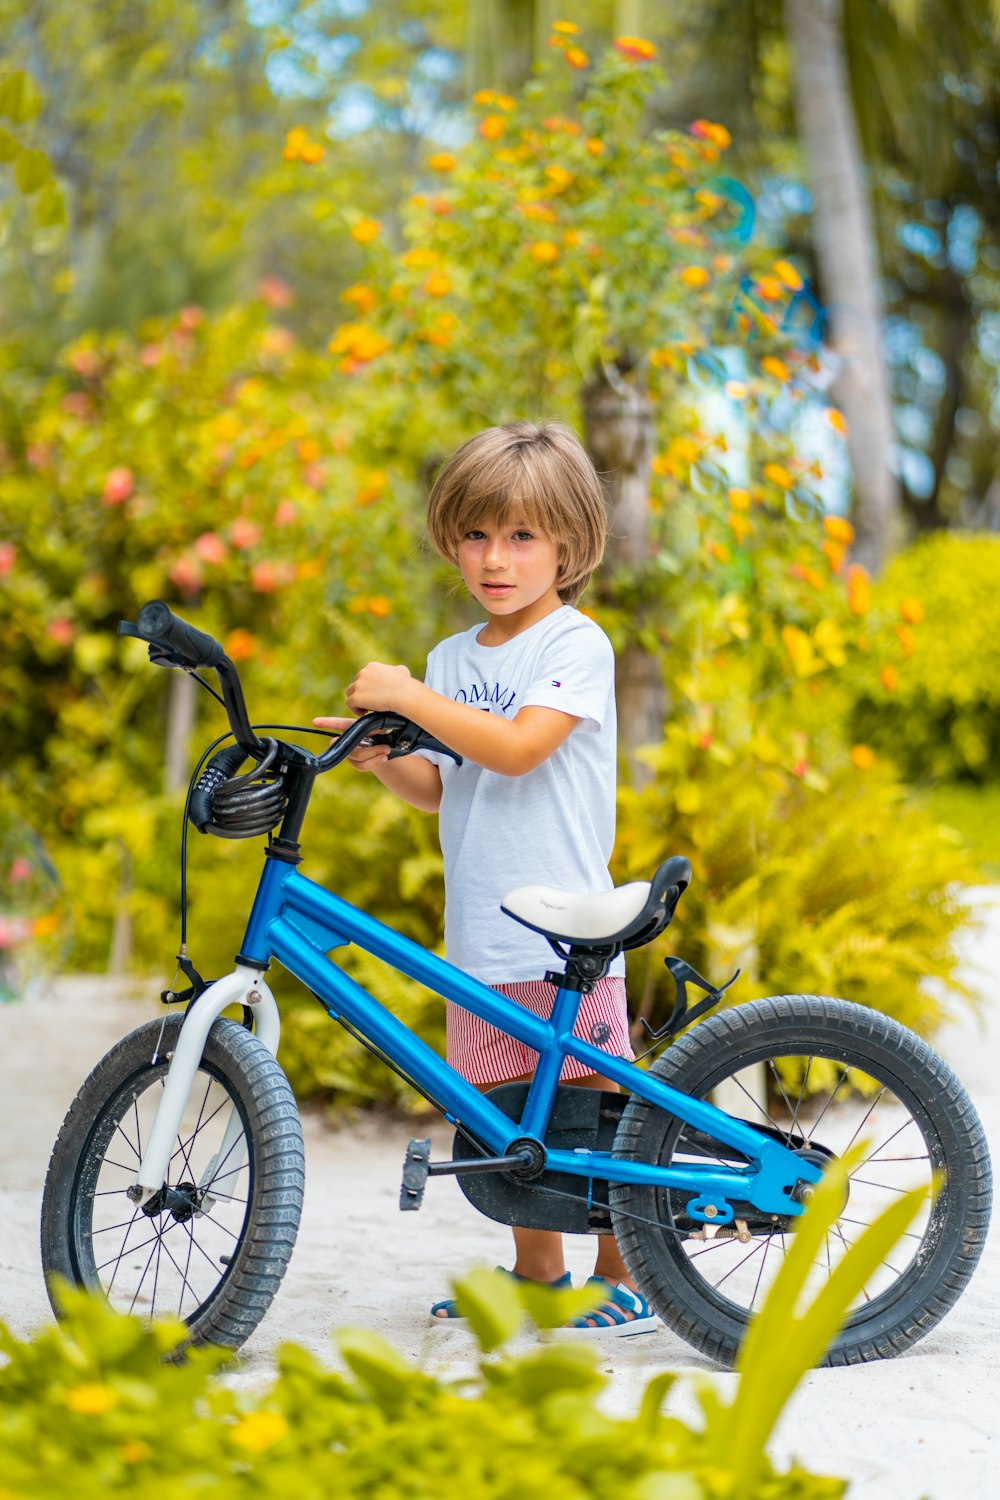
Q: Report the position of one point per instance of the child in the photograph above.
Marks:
(528, 700)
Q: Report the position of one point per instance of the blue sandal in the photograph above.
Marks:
(623, 1313)
(447, 1312)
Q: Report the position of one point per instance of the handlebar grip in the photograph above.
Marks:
(157, 622)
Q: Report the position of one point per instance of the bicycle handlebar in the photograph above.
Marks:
(173, 642)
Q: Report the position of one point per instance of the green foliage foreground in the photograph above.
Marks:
(95, 1399)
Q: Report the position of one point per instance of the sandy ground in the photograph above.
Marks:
(923, 1425)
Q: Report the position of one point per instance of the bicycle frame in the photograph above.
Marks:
(298, 922)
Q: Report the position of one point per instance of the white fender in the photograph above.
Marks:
(245, 986)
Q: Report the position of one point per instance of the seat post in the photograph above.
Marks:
(584, 968)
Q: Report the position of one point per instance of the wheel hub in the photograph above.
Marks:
(181, 1201)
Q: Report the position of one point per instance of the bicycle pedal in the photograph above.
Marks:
(416, 1168)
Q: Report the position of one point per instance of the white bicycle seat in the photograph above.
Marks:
(573, 918)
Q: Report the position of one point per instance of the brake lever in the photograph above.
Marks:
(407, 738)
(160, 653)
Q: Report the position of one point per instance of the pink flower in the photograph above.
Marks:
(150, 355)
(118, 486)
(85, 362)
(274, 291)
(20, 870)
(60, 631)
(244, 533)
(8, 557)
(190, 317)
(211, 548)
(39, 455)
(285, 513)
(265, 577)
(186, 574)
(314, 475)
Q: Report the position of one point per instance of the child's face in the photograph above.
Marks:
(509, 569)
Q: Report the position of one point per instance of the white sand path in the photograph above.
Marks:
(923, 1425)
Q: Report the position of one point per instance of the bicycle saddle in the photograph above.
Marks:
(624, 917)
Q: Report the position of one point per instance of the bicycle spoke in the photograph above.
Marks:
(867, 1116)
(760, 1269)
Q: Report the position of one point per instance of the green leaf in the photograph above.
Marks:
(32, 171)
(20, 98)
(377, 1364)
(551, 1308)
(490, 1302)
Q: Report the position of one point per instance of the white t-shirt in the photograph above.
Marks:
(553, 826)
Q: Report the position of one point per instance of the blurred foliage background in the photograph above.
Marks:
(263, 265)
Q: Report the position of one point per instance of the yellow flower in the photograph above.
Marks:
(735, 389)
(835, 554)
(359, 342)
(889, 679)
(259, 1430)
(739, 499)
(559, 178)
(418, 257)
(779, 475)
(595, 146)
(373, 488)
(312, 152)
(134, 1452)
(862, 757)
(859, 590)
(484, 96)
(296, 138)
(786, 272)
(912, 611)
(577, 58)
(380, 606)
(544, 252)
(837, 420)
(740, 525)
(442, 161)
(776, 367)
(566, 28)
(366, 230)
(437, 284)
(504, 101)
(906, 639)
(695, 276)
(91, 1399)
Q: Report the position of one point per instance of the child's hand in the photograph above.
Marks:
(377, 688)
(364, 757)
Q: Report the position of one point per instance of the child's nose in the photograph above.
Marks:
(496, 552)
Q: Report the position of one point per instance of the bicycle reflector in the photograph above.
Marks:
(239, 807)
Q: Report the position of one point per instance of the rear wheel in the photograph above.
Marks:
(212, 1246)
(823, 1074)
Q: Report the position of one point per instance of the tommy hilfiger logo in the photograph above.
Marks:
(555, 684)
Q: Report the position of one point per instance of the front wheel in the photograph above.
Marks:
(823, 1073)
(212, 1246)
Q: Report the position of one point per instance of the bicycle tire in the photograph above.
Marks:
(944, 1245)
(227, 1293)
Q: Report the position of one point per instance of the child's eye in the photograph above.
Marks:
(474, 536)
(524, 536)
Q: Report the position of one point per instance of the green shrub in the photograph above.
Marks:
(938, 711)
(94, 1399)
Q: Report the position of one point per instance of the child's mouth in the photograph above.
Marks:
(498, 588)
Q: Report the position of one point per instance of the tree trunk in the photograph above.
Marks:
(180, 724)
(618, 424)
(845, 249)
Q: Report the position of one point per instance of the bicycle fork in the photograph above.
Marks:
(245, 986)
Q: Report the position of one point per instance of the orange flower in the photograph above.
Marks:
(492, 127)
(862, 757)
(240, 645)
(739, 499)
(373, 488)
(577, 58)
(442, 161)
(572, 238)
(438, 284)
(419, 256)
(544, 252)
(835, 554)
(770, 288)
(740, 525)
(294, 141)
(859, 590)
(906, 639)
(912, 611)
(595, 146)
(776, 367)
(566, 28)
(380, 606)
(366, 230)
(312, 152)
(837, 420)
(889, 679)
(779, 475)
(708, 130)
(358, 342)
(360, 297)
(559, 178)
(536, 210)
(719, 551)
(635, 48)
(309, 451)
(838, 529)
(695, 276)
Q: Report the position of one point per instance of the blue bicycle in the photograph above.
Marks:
(176, 1181)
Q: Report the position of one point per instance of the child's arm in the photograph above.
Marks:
(414, 779)
(509, 746)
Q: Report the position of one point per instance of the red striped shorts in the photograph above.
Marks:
(482, 1054)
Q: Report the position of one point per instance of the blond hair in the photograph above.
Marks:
(540, 475)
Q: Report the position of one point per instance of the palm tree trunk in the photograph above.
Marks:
(619, 427)
(845, 248)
